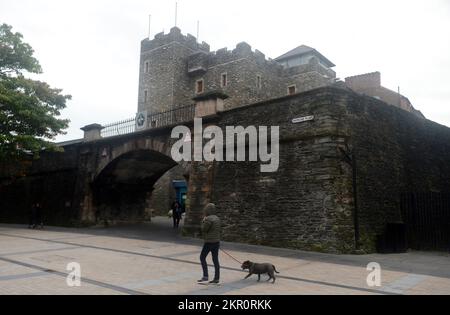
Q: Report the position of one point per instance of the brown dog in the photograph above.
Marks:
(259, 269)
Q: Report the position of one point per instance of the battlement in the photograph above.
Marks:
(364, 81)
(242, 50)
(174, 68)
(174, 35)
(203, 60)
(370, 84)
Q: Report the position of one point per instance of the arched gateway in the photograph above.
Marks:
(308, 203)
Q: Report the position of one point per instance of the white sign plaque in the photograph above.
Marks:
(302, 119)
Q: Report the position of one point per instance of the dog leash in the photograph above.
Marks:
(231, 256)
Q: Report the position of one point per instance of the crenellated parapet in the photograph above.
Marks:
(175, 68)
(175, 35)
(203, 60)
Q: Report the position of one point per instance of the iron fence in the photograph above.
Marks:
(154, 120)
(427, 219)
(119, 128)
(171, 117)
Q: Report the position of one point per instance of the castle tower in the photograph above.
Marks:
(164, 83)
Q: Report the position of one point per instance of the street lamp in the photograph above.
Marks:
(349, 157)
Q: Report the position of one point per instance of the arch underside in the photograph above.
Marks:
(122, 191)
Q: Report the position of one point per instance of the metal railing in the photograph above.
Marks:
(119, 128)
(154, 120)
(171, 117)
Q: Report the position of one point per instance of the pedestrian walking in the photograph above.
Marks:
(36, 216)
(176, 214)
(211, 234)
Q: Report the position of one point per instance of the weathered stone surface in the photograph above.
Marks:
(306, 204)
(397, 152)
(51, 180)
(172, 63)
(163, 194)
(370, 84)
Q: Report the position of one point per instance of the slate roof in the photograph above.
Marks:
(303, 50)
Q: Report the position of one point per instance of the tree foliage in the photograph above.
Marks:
(29, 109)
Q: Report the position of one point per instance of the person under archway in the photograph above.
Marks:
(176, 214)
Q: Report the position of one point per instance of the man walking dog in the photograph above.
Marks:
(211, 235)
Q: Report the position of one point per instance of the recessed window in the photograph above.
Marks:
(224, 80)
(199, 87)
(258, 82)
(292, 90)
(147, 67)
(145, 96)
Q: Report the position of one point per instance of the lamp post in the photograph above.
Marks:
(350, 158)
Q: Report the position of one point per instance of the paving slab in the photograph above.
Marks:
(155, 259)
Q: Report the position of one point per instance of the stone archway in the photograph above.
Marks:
(122, 190)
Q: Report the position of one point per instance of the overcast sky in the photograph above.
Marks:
(90, 48)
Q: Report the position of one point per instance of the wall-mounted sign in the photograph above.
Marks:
(141, 120)
(302, 119)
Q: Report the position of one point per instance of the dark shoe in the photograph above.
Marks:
(214, 282)
(202, 280)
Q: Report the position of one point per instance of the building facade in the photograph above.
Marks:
(175, 68)
(309, 203)
(370, 84)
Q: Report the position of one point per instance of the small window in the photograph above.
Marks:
(224, 80)
(147, 67)
(199, 87)
(292, 90)
(258, 82)
(145, 96)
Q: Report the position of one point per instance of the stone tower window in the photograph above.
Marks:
(292, 90)
(145, 96)
(224, 80)
(199, 86)
(147, 67)
(258, 82)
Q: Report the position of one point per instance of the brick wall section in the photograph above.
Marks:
(166, 81)
(51, 180)
(370, 84)
(242, 66)
(307, 203)
(163, 194)
(364, 82)
(397, 152)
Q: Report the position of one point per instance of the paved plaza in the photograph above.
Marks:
(154, 259)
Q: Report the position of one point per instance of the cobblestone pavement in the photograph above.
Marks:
(154, 259)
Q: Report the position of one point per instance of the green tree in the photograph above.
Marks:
(28, 108)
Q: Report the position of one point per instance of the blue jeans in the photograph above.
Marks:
(214, 249)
